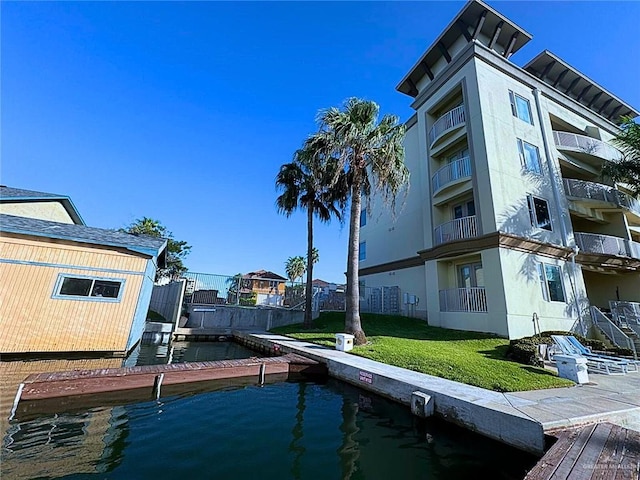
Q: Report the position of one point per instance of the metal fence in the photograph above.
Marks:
(214, 289)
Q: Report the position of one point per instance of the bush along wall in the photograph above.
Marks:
(525, 350)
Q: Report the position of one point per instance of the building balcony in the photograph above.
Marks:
(596, 192)
(452, 172)
(450, 121)
(473, 299)
(596, 244)
(586, 146)
(458, 229)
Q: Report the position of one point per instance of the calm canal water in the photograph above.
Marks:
(238, 430)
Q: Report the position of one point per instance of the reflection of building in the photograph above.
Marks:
(506, 191)
(67, 287)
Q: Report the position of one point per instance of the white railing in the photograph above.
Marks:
(451, 172)
(451, 119)
(457, 229)
(472, 299)
(612, 332)
(598, 191)
(607, 245)
(592, 146)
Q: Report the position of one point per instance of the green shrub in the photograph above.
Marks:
(524, 350)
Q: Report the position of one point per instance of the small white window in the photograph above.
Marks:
(520, 107)
(539, 212)
(88, 288)
(529, 157)
(551, 282)
(362, 254)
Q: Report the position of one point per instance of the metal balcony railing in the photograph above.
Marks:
(589, 145)
(457, 229)
(451, 172)
(451, 119)
(603, 193)
(473, 299)
(607, 245)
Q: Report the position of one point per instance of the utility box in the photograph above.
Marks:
(572, 367)
(344, 342)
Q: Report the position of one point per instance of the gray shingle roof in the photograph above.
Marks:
(10, 194)
(80, 233)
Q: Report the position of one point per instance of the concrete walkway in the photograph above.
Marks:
(519, 419)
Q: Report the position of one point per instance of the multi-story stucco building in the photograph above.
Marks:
(507, 214)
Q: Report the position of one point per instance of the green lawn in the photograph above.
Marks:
(467, 357)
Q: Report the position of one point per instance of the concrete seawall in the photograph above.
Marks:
(220, 317)
(483, 411)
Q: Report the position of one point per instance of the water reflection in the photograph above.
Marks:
(279, 431)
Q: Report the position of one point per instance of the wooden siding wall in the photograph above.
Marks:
(32, 321)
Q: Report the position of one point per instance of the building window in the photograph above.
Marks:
(88, 288)
(273, 284)
(363, 217)
(539, 212)
(520, 107)
(530, 157)
(551, 282)
(362, 255)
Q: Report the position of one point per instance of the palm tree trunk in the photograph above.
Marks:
(308, 318)
(352, 314)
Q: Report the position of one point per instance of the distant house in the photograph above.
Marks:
(67, 287)
(267, 287)
(328, 296)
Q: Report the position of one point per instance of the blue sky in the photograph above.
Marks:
(184, 112)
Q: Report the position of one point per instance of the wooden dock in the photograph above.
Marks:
(600, 451)
(83, 382)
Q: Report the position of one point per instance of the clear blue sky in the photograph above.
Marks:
(184, 112)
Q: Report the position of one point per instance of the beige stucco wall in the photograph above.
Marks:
(52, 211)
(410, 280)
(392, 237)
(523, 293)
(602, 288)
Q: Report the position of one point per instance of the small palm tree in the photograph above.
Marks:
(314, 183)
(628, 169)
(295, 268)
(372, 155)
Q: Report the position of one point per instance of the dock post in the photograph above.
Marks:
(16, 401)
(263, 367)
(157, 384)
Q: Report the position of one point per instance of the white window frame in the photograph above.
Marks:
(523, 157)
(544, 282)
(533, 215)
(362, 251)
(513, 98)
(87, 298)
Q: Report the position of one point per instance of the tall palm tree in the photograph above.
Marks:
(372, 155)
(314, 183)
(628, 169)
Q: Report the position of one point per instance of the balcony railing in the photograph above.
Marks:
(589, 145)
(451, 172)
(472, 299)
(457, 229)
(603, 193)
(451, 119)
(607, 245)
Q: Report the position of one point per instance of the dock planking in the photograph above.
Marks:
(83, 382)
(598, 451)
